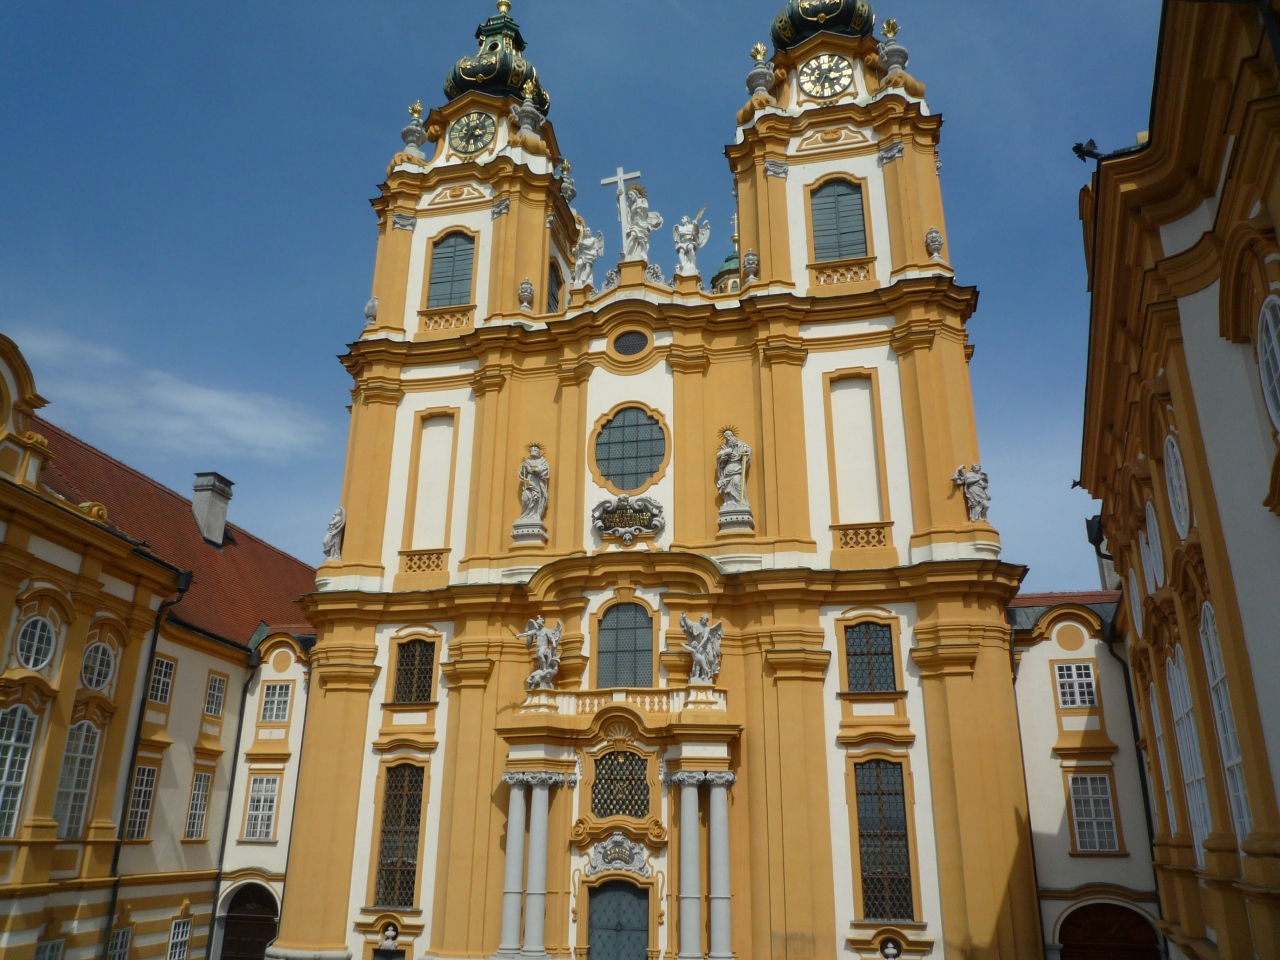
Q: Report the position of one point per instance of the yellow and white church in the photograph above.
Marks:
(661, 622)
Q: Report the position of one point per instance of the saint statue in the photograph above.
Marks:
(639, 223)
(977, 496)
(333, 536)
(732, 461)
(585, 254)
(547, 653)
(535, 481)
(704, 646)
(690, 237)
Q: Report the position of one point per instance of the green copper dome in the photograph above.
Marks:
(499, 67)
(801, 19)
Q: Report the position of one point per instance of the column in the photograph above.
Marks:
(718, 844)
(690, 864)
(535, 900)
(513, 876)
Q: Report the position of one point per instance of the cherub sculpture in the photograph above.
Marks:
(585, 254)
(639, 224)
(690, 236)
(547, 653)
(704, 646)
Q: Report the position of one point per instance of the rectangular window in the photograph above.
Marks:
(198, 808)
(398, 852)
(77, 776)
(414, 662)
(868, 649)
(275, 702)
(1091, 809)
(431, 496)
(179, 939)
(1075, 686)
(140, 798)
(882, 841)
(260, 820)
(49, 950)
(855, 450)
(119, 947)
(161, 681)
(215, 695)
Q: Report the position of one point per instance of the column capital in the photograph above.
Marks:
(721, 778)
(537, 778)
(684, 778)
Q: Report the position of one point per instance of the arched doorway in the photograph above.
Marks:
(618, 926)
(250, 924)
(1107, 931)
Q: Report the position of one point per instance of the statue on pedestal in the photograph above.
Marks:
(535, 494)
(690, 237)
(977, 495)
(547, 653)
(585, 254)
(732, 461)
(704, 646)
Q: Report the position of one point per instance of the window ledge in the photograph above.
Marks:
(261, 843)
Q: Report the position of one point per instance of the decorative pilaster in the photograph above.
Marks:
(718, 841)
(690, 863)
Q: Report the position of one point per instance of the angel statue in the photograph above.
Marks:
(334, 534)
(690, 237)
(977, 496)
(535, 479)
(639, 224)
(732, 461)
(704, 645)
(585, 254)
(547, 653)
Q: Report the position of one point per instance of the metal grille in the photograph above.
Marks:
(882, 840)
(621, 787)
(630, 449)
(398, 855)
(839, 228)
(451, 261)
(868, 649)
(626, 647)
(631, 343)
(414, 663)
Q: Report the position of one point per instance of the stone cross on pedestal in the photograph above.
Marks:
(621, 179)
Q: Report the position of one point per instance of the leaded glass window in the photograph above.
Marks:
(451, 263)
(630, 343)
(868, 649)
(882, 841)
(625, 641)
(839, 225)
(630, 448)
(414, 662)
(621, 787)
(398, 852)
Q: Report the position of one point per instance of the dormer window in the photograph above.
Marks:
(839, 223)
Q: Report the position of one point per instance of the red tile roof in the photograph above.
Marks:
(235, 588)
(1084, 598)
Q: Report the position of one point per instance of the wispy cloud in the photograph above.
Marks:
(98, 391)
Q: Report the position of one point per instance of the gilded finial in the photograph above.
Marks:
(565, 167)
(529, 89)
(759, 52)
(890, 28)
(415, 109)
(504, 7)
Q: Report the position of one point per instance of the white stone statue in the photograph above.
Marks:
(334, 535)
(639, 224)
(547, 653)
(977, 496)
(690, 237)
(704, 646)
(585, 254)
(535, 484)
(732, 461)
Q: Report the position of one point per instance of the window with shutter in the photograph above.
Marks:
(839, 225)
(451, 263)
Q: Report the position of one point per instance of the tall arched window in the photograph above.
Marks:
(398, 849)
(625, 655)
(1184, 729)
(555, 283)
(1157, 728)
(17, 732)
(1269, 357)
(451, 263)
(1152, 549)
(839, 225)
(77, 776)
(1175, 482)
(1225, 721)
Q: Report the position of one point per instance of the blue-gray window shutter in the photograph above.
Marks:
(451, 261)
(839, 227)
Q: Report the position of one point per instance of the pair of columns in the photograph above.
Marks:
(691, 868)
(513, 887)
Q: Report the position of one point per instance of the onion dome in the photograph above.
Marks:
(802, 19)
(499, 67)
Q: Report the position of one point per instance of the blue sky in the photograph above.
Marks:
(186, 242)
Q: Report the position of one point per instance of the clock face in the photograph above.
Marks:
(825, 76)
(472, 132)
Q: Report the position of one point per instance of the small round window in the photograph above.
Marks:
(630, 448)
(98, 664)
(35, 643)
(630, 343)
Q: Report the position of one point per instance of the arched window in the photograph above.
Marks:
(883, 841)
(77, 776)
(839, 225)
(398, 850)
(17, 732)
(1225, 721)
(1184, 730)
(1135, 602)
(1157, 728)
(555, 283)
(1269, 356)
(451, 263)
(625, 654)
(630, 448)
(414, 662)
(1175, 481)
(621, 786)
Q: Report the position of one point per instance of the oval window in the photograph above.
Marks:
(35, 643)
(630, 448)
(1175, 481)
(99, 662)
(630, 343)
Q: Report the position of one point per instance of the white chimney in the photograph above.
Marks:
(209, 504)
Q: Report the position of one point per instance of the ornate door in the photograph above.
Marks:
(618, 927)
(250, 924)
